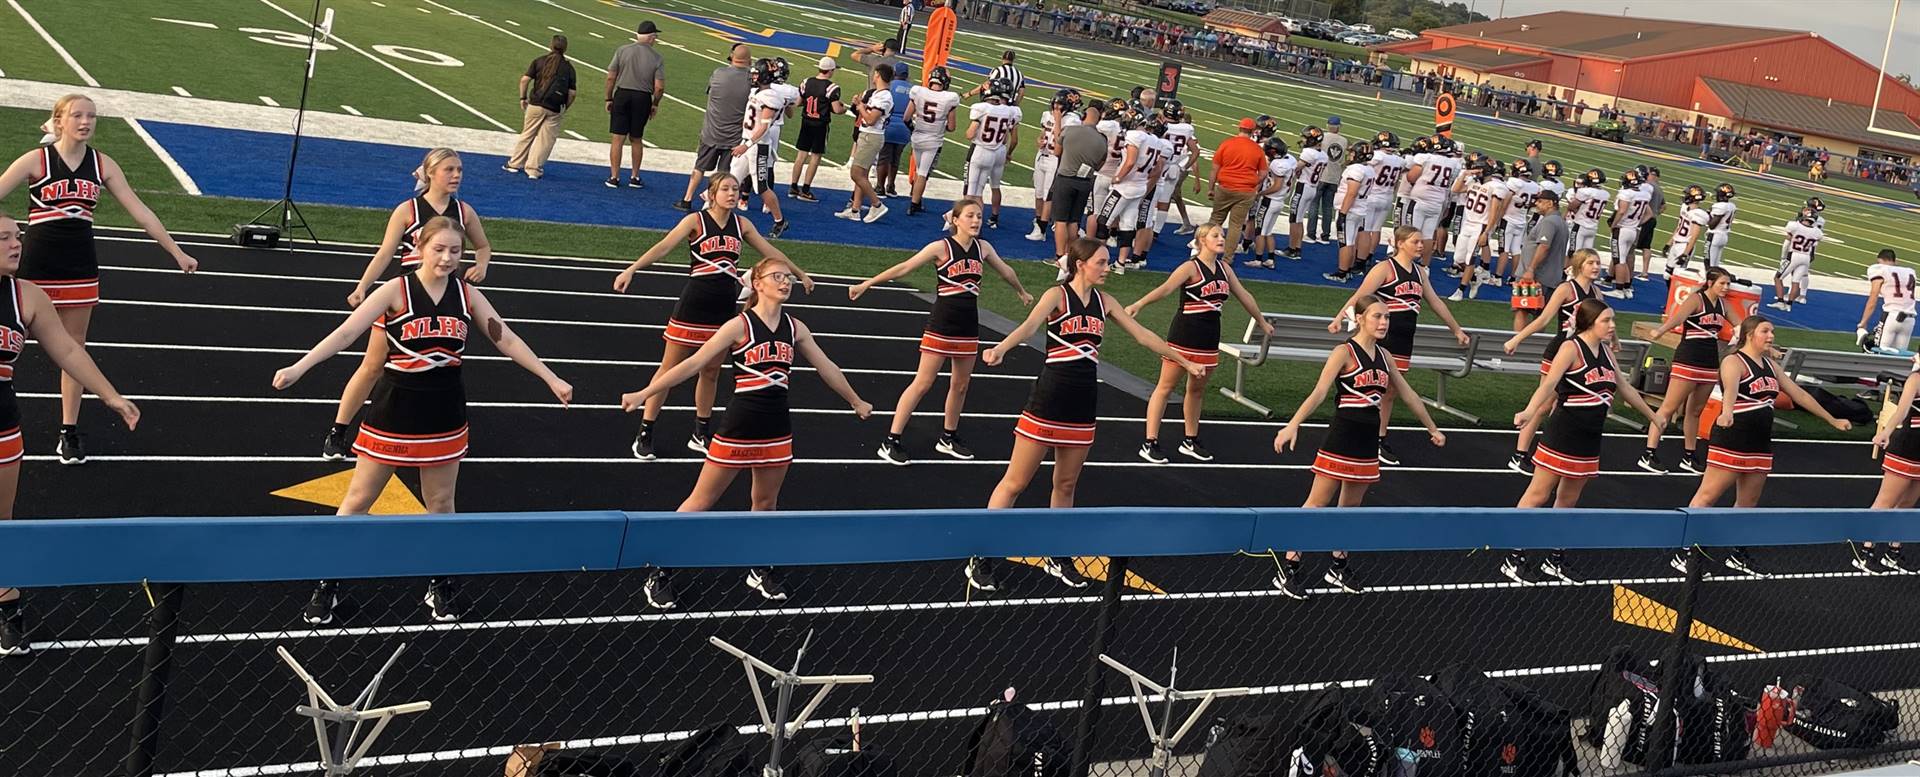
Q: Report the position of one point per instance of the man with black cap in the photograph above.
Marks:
(1005, 70)
(636, 83)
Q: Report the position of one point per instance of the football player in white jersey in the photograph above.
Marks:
(934, 111)
(994, 129)
(1120, 213)
(1350, 201)
(1631, 208)
(1186, 145)
(1433, 174)
(789, 94)
(1584, 208)
(1513, 227)
(1720, 222)
(754, 166)
(1819, 208)
(1270, 202)
(1307, 177)
(1062, 113)
(1163, 183)
(1108, 125)
(1686, 233)
(1483, 196)
(1388, 168)
(1803, 237)
(1890, 285)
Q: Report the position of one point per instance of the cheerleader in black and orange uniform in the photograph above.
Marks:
(1898, 439)
(63, 181)
(1205, 282)
(1702, 319)
(1582, 271)
(25, 311)
(1060, 413)
(436, 185)
(1402, 285)
(756, 432)
(1348, 462)
(418, 414)
(1581, 381)
(713, 238)
(953, 328)
(1741, 452)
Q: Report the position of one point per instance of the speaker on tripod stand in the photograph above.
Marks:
(260, 232)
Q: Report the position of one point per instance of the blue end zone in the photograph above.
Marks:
(239, 163)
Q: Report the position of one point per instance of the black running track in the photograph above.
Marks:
(575, 657)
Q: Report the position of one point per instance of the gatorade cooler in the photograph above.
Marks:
(1742, 297)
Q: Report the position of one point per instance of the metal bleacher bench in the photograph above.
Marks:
(1306, 339)
(1845, 369)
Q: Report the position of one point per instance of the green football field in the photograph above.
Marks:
(459, 63)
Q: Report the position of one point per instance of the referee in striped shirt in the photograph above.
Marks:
(1008, 71)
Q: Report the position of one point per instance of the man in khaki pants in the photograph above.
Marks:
(1237, 166)
(546, 91)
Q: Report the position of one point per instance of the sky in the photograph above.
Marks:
(1858, 25)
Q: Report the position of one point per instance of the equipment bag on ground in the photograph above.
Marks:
(1507, 729)
(1312, 736)
(1829, 715)
(1015, 741)
(1417, 722)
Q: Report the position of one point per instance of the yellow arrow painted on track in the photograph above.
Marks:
(1636, 609)
(331, 490)
(1095, 568)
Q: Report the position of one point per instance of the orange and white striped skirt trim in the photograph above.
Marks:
(750, 454)
(1054, 433)
(411, 450)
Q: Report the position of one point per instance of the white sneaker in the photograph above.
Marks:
(1780, 305)
(1457, 296)
(1036, 235)
(851, 213)
(874, 213)
(1186, 229)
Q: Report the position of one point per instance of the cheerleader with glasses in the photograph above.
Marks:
(1741, 451)
(1204, 283)
(1362, 371)
(64, 180)
(436, 194)
(713, 238)
(953, 329)
(1060, 414)
(417, 415)
(1898, 441)
(756, 432)
(1579, 388)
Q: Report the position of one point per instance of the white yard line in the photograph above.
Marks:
(430, 119)
(189, 23)
(179, 173)
(351, 110)
(264, 100)
(182, 92)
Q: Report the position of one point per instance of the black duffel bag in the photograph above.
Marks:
(1831, 716)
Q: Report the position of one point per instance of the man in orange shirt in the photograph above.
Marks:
(1238, 164)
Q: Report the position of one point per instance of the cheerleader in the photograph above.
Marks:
(1701, 318)
(1741, 452)
(1402, 284)
(418, 413)
(436, 187)
(1582, 270)
(1204, 282)
(1899, 442)
(1349, 460)
(64, 180)
(756, 432)
(953, 329)
(715, 286)
(1582, 378)
(25, 311)
(1060, 414)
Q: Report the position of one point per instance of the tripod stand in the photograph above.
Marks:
(318, 30)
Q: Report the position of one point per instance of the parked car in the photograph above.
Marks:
(1608, 129)
(1351, 37)
(1399, 33)
(1366, 28)
(1318, 31)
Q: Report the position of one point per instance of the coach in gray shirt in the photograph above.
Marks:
(1549, 240)
(1083, 149)
(636, 82)
(1320, 221)
(727, 92)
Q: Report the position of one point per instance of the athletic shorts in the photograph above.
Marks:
(1645, 242)
(813, 138)
(629, 114)
(866, 150)
(984, 168)
(925, 156)
(1426, 217)
(1044, 167)
(1067, 199)
(712, 159)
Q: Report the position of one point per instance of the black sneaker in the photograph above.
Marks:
(71, 449)
(951, 445)
(643, 444)
(659, 590)
(993, 222)
(1065, 570)
(697, 442)
(1894, 562)
(1387, 456)
(319, 612)
(915, 209)
(891, 453)
(762, 581)
(1865, 563)
(683, 205)
(1519, 462)
(1150, 450)
(13, 631)
(1288, 584)
(1679, 563)
(1691, 465)
(1515, 568)
(1342, 578)
(440, 599)
(1739, 561)
(779, 228)
(1651, 463)
(1556, 568)
(980, 576)
(803, 195)
(336, 446)
(613, 183)
(634, 183)
(1193, 449)
(1336, 276)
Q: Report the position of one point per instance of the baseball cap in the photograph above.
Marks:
(1247, 124)
(1333, 121)
(1548, 195)
(827, 63)
(647, 28)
